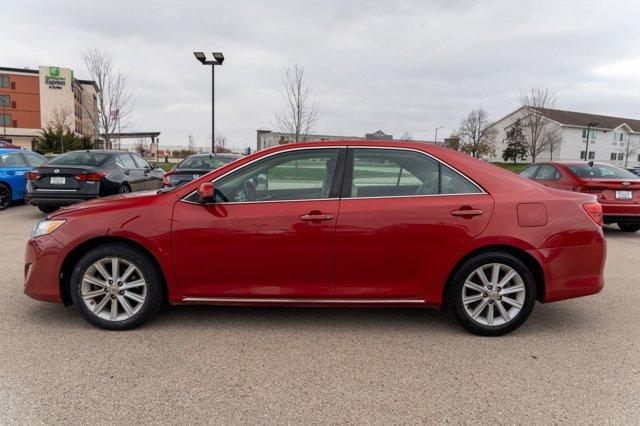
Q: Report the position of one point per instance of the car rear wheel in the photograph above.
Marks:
(116, 287)
(124, 189)
(5, 196)
(629, 227)
(48, 208)
(492, 294)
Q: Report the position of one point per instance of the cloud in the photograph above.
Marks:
(396, 66)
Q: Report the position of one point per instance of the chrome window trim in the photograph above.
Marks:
(401, 148)
(482, 191)
(258, 300)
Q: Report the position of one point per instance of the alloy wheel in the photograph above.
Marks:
(493, 294)
(113, 289)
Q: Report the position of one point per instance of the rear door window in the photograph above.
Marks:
(530, 171)
(547, 172)
(12, 160)
(393, 172)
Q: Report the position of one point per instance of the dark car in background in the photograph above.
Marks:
(195, 166)
(82, 175)
(617, 189)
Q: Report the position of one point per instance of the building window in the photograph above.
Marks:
(620, 156)
(618, 136)
(582, 155)
(613, 156)
(593, 134)
(5, 101)
(5, 120)
(592, 155)
(4, 81)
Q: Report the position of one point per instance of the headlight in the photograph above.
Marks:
(45, 227)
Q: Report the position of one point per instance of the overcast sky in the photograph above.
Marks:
(395, 66)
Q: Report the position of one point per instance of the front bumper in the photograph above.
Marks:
(42, 268)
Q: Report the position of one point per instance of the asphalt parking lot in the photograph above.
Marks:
(576, 361)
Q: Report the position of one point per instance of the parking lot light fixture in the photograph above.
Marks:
(218, 59)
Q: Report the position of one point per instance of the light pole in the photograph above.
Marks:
(218, 59)
(586, 151)
(435, 138)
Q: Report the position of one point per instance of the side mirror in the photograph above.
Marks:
(205, 192)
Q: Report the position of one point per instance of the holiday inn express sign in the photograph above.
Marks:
(53, 79)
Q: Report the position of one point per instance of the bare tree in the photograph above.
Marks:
(534, 123)
(221, 142)
(476, 134)
(60, 121)
(114, 100)
(552, 139)
(141, 146)
(406, 137)
(629, 149)
(301, 111)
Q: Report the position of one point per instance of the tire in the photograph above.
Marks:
(629, 227)
(5, 196)
(124, 189)
(142, 301)
(47, 208)
(466, 282)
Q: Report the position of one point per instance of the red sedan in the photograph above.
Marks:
(337, 223)
(617, 189)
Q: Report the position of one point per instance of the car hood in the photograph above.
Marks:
(120, 200)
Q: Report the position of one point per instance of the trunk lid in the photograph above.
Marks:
(59, 177)
(613, 190)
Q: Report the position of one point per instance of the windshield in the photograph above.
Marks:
(205, 163)
(601, 171)
(79, 159)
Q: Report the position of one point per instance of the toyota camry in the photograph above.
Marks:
(332, 223)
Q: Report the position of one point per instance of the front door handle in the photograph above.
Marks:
(316, 216)
(467, 212)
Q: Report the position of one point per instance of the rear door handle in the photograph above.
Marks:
(319, 216)
(469, 212)
(126, 172)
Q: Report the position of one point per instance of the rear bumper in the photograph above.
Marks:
(614, 212)
(41, 267)
(56, 199)
(571, 272)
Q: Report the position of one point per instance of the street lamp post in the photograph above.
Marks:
(218, 59)
(586, 151)
(435, 138)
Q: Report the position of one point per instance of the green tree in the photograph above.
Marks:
(50, 140)
(516, 144)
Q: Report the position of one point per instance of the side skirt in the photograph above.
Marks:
(270, 301)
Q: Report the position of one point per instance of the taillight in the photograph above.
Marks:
(33, 176)
(166, 179)
(594, 210)
(92, 177)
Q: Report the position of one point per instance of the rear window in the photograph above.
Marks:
(206, 163)
(601, 171)
(79, 159)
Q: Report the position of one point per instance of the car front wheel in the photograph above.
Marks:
(116, 287)
(492, 294)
